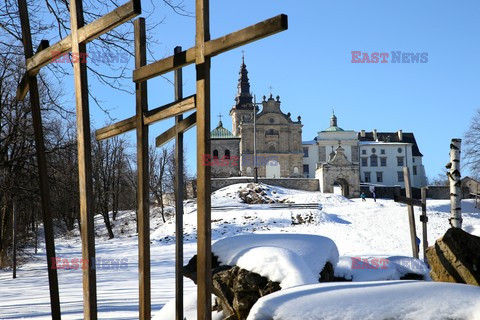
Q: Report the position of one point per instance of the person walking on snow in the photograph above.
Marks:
(363, 197)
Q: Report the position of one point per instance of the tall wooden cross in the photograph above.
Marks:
(411, 202)
(160, 140)
(75, 43)
(200, 55)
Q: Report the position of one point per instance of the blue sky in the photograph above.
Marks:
(309, 67)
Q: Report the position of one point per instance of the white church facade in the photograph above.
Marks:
(377, 158)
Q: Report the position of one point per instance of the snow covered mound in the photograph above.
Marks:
(290, 259)
(371, 300)
(189, 309)
(230, 195)
(375, 268)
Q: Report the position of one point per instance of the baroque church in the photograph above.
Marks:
(265, 139)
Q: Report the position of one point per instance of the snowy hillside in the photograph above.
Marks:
(359, 229)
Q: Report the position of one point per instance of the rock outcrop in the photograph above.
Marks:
(258, 194)
(238, 289)
(455, 258)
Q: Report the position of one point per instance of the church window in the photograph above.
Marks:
(400, 176)
(414, 170)
(382, 151)
(379, 176)
(305, 152)
(272, 120)
(374, 150)
(367, 176)
(215, 154)
(373, 161)
(400, 161)
(227, 154)
(383, 162)
(271, 148)
(399, 150)
(364, 151)
(364, 162)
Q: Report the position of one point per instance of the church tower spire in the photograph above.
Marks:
(333, 120)
(244, 98)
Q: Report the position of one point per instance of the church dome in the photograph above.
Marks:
(333, 124)
(220, 132)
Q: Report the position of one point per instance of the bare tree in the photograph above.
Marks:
(108, 164)
(159, 182)
(471, 142)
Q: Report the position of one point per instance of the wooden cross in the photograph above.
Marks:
(160, 140)
(75, 43)
(200, 55)
(31, 84)
(140, 122)
(411, 202)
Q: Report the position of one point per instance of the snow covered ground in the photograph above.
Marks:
(359, 229)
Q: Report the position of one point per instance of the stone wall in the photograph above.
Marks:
(443, 192)
(291, 183)
(433, 192)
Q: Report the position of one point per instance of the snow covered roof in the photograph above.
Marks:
(407, 137)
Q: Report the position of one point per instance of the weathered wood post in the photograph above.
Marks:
(455, 184)
(411, 215)
(424, 220)
(178, 197)
(14, 235)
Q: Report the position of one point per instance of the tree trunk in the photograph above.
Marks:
(106, 219)
(455, 184)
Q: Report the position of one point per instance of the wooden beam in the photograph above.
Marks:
(84, 163)
(116, 129)
(42, 165)
(411, 214)
(204, 223)
(152, 116)
(181, 126)
(424, 220)
(170, 110)
(214, 47)
(178, 198)
(85, 34)
(408, 201)
(143, 195)
(22, 88)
